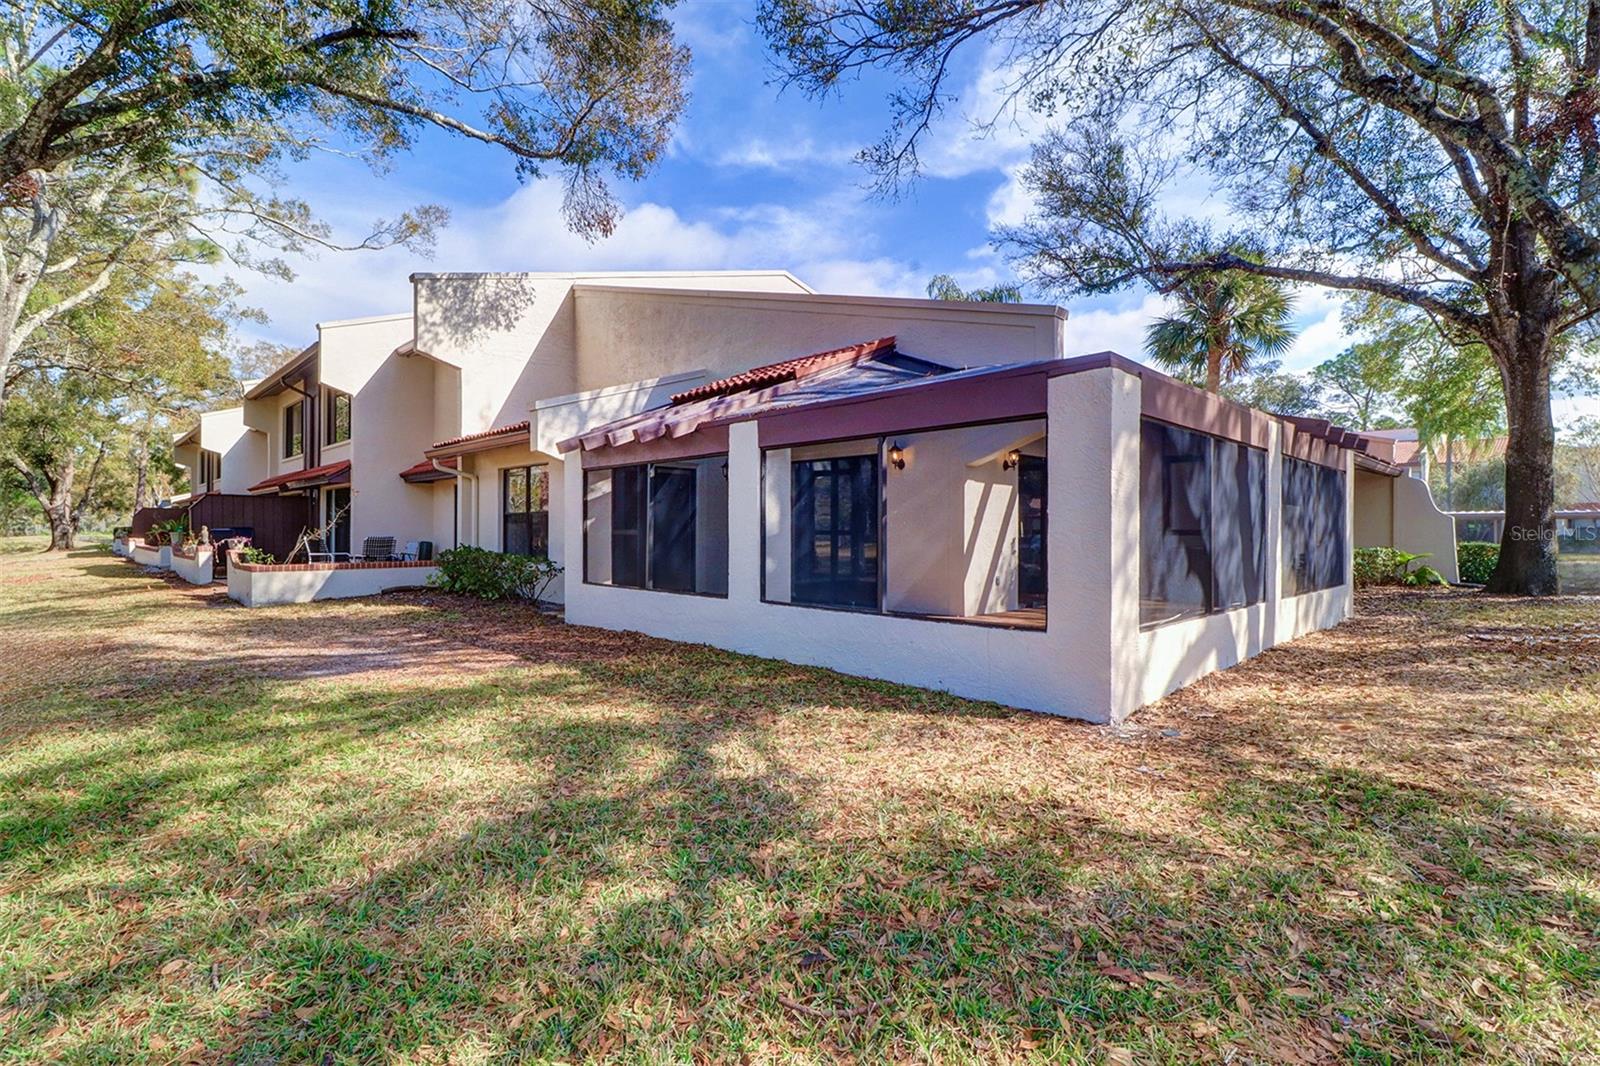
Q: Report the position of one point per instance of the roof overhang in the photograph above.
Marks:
(278, 380)
(1008, 392)
(488, 440)
(318, 476)
(424, 472)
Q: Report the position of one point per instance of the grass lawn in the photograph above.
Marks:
(416, 829)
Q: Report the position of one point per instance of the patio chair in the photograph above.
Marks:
(409, 552)
(323, 554)
(376, 550)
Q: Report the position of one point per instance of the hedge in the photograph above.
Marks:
(1476, 560)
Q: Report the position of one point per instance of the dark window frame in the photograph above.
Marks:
(330, 420)
(1304, 494)
(536, 521)
(642, 484)
(294, 429)
(1215, 529)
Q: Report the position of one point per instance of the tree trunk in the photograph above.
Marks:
(1449, 471)
(1527, 563)
(141, 472)
(58, 510)
(1213, 369)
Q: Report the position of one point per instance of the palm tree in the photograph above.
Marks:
(1225, 323)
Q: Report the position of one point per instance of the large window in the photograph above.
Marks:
(336, 416)
(835, 530)
(1314, 545)
(293, 429)
(1202, 541)
(661, 526)
(525, 511)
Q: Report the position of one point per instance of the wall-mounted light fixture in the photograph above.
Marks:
(724, 469)
(1013, 457)
(897, 456)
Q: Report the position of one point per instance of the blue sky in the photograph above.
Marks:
(755, 178)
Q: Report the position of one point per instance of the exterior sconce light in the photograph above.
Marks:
(1013, 457)
(724, 469)
(897, 457)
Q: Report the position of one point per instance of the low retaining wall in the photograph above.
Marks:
(151, 554)
(262, 585)
(194, 565)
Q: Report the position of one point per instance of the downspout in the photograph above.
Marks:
(458, 475)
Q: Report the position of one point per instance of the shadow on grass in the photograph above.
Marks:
(652, 877)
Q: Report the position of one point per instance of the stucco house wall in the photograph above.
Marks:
(1399, 512)
(391, 421)
(630, 333)
(515, 335)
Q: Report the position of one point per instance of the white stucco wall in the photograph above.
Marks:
(198, 570)
(266, 588)
(515, 336)
(1399, 512)
(243, 450)
(625, 334)
(392, 411)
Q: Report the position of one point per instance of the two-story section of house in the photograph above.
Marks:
(524, 361)
(221, 453)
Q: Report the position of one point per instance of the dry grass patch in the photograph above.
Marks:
(419, 829)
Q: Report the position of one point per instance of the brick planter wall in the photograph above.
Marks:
(266, 584)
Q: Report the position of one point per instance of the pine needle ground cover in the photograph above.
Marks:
(423, 829)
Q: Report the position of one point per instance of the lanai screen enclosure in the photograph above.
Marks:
(1075, 536)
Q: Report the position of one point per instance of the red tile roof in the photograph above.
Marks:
(788, 370)
(426, 471)
(317, 475)
(498, 431)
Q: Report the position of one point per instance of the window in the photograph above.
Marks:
(1313, 527)
(293, 429)
(210, 469)
(336, 416)
(1202, 542)
(835, 530)
(525, 519)
(661, 526)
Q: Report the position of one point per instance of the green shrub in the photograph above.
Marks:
(493, 575)
(1476, 559)
(256, 556)
(1391, 566)
(1376, 566)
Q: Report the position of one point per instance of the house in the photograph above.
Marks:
(220, 454)
(864, 483)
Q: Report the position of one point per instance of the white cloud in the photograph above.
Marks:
(760, 153)
(827, 242)
(1117, 329)
(1322, 336)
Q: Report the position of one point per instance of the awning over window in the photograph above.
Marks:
(331, 474)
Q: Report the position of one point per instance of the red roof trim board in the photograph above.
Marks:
(425, 471)
(317, 475)
(788, 370)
